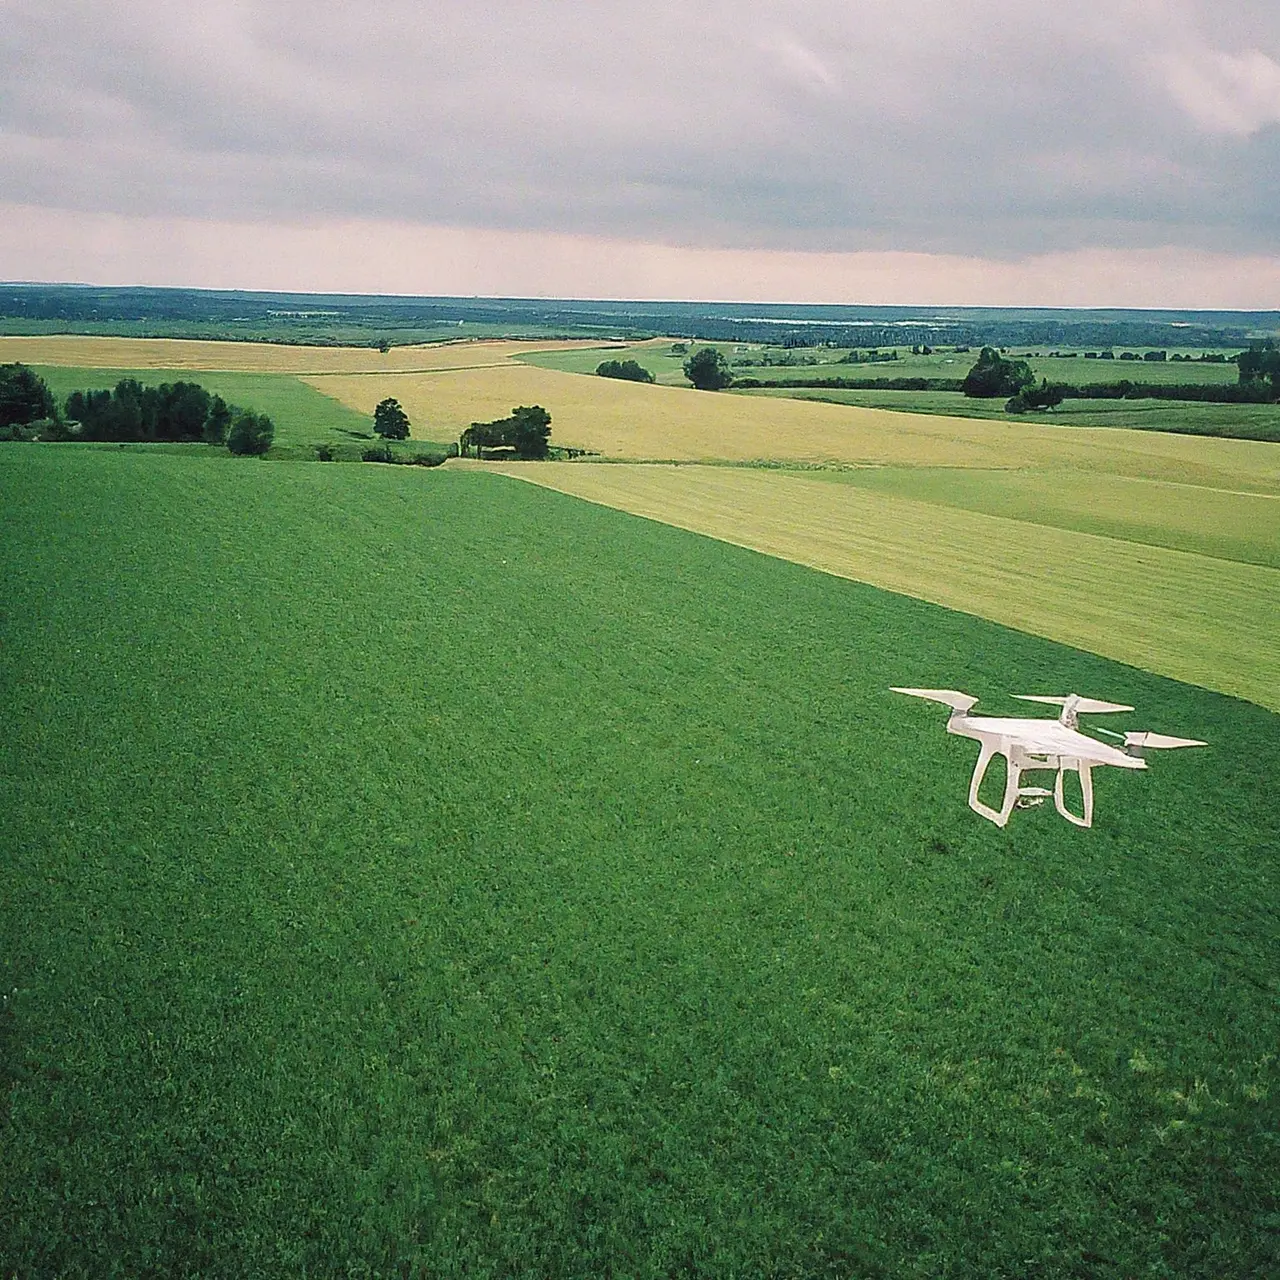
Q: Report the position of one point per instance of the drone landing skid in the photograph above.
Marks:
(1018, 761)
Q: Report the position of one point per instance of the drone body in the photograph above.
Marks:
(1029, 745)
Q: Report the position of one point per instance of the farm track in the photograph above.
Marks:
(1199, 619)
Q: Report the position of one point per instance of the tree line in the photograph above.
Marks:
(526, 432)
(181, 412)
(995, 376)
(627, 370)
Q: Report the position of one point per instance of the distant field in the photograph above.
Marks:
(655, 356)
(253, 357)
(1260, 422)
(1208, 621)
(1236, 421)
(290, 332)
(428, 874)
(634, 421)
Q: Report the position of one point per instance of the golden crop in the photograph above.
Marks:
(634, 421)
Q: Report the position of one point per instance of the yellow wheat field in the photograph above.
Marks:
(636, 421)
(258, 357)
(1210, 622)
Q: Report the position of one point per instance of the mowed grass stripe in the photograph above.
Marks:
(634, 421)
(1205, 621)
(1226, 525)
(258, 357)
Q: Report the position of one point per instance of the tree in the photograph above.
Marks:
(526, 431)
(251, 434)
(24, 396)
(708, 370)
(993, 375)
(1042, 397)
(628, 370)
(181, 411)
(124, 411)
(1261, 364)
(390, 421)
(218, 423)
(530, 431)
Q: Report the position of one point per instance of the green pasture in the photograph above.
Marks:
(668, 370)
(947, 364)
(421, 873)
(1237, 421)
(1243, 527)
(303, 416)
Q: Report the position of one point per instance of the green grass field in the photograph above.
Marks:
(420, 873)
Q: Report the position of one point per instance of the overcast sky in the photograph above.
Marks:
(1071, 153)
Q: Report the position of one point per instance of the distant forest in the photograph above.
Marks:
(377, 321)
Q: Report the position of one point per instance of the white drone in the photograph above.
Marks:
(1043, 744)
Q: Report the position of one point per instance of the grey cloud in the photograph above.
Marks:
(951, 125)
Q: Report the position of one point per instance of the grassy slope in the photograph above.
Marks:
(427, 870)
(1205, 620)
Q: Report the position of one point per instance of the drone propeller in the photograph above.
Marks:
(1086, 706)
(1160, 741)
(949, 697)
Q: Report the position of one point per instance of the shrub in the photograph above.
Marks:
(324, 453)
(993, 376)
(628, 370)
(251, 435)
(24, 396)
(1038, 398)
(378, 453)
